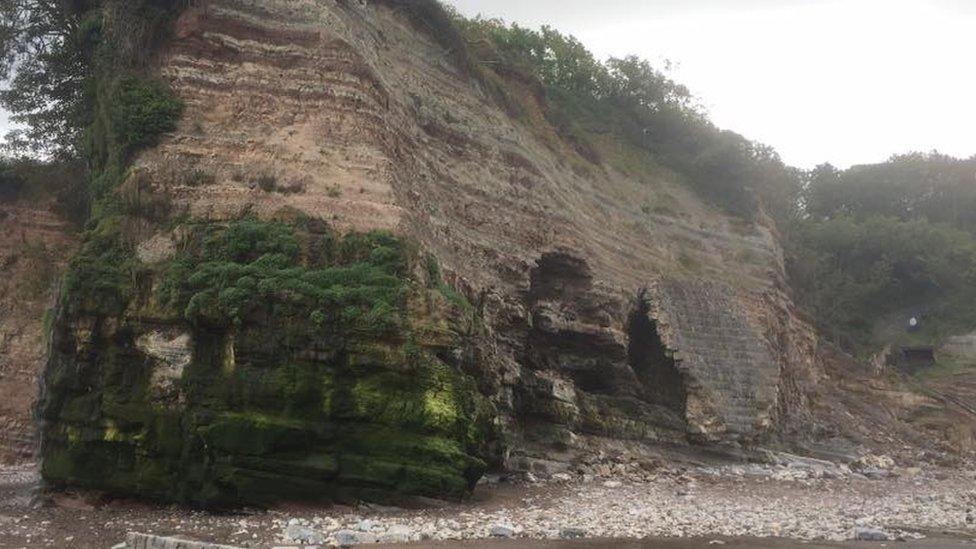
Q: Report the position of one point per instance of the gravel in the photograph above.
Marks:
(731, 501)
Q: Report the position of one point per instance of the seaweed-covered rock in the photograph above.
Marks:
(264, 362)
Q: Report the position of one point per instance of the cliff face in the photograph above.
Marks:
(612, 307)
(34, 245)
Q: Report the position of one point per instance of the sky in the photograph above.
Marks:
(840, 81)
(4, 123)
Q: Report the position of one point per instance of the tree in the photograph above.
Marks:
(45, 53)
(50, 51)
(934, 187)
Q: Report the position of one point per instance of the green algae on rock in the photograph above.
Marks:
(265, 361)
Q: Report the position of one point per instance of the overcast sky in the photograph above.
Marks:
(4, 123)
(845, 81)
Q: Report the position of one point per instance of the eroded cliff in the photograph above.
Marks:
(36, 239)
(592, 305)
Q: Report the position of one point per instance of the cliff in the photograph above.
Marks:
(36, 239)
(349, 272)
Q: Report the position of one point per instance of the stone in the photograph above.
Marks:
(365, 526)
(874, 473)
(862, 533)
(397, 533)
(304, 534)
(145, 541)
(613, 484)
(349, 538)
(502, 531)
(491, 478)
(572, 532)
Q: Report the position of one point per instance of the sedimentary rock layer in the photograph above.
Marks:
(614, 309)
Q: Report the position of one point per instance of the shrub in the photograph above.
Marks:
(851, 273)
(11, 183)
(141, 111)
(267, 182)
(197, 177)
(228, 274)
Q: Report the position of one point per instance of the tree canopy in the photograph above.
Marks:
(896, 238)
(44, 60)
(49, 52)
(932, 186)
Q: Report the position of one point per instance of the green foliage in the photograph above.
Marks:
(640, 104)
(874, 245)
(436, 281)
(852, 273)
(100, 278)
(935, 187)
(52, 52)
(251, 268)
(45, 49)
(308, 380)
(131, 113)
(142, 110)
(60, 183)
(11, 181)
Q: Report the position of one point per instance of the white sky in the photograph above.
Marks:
(4, 124)
(845, 81)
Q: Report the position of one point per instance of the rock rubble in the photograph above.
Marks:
(805, 499)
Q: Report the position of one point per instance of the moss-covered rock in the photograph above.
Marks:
(310, 372)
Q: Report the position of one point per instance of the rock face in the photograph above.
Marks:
(326, 371)
(34, 243)
(729, 377)
(612, 306)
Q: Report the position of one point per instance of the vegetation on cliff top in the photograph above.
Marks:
(629, 98)
(866, 246)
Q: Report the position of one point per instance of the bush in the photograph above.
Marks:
(851, 273)
(227, 275)
(141, 111)
(267, 182)
(11, 183)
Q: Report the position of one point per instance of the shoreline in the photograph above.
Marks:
(739, 505)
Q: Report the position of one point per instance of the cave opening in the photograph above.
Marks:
(652, 361)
